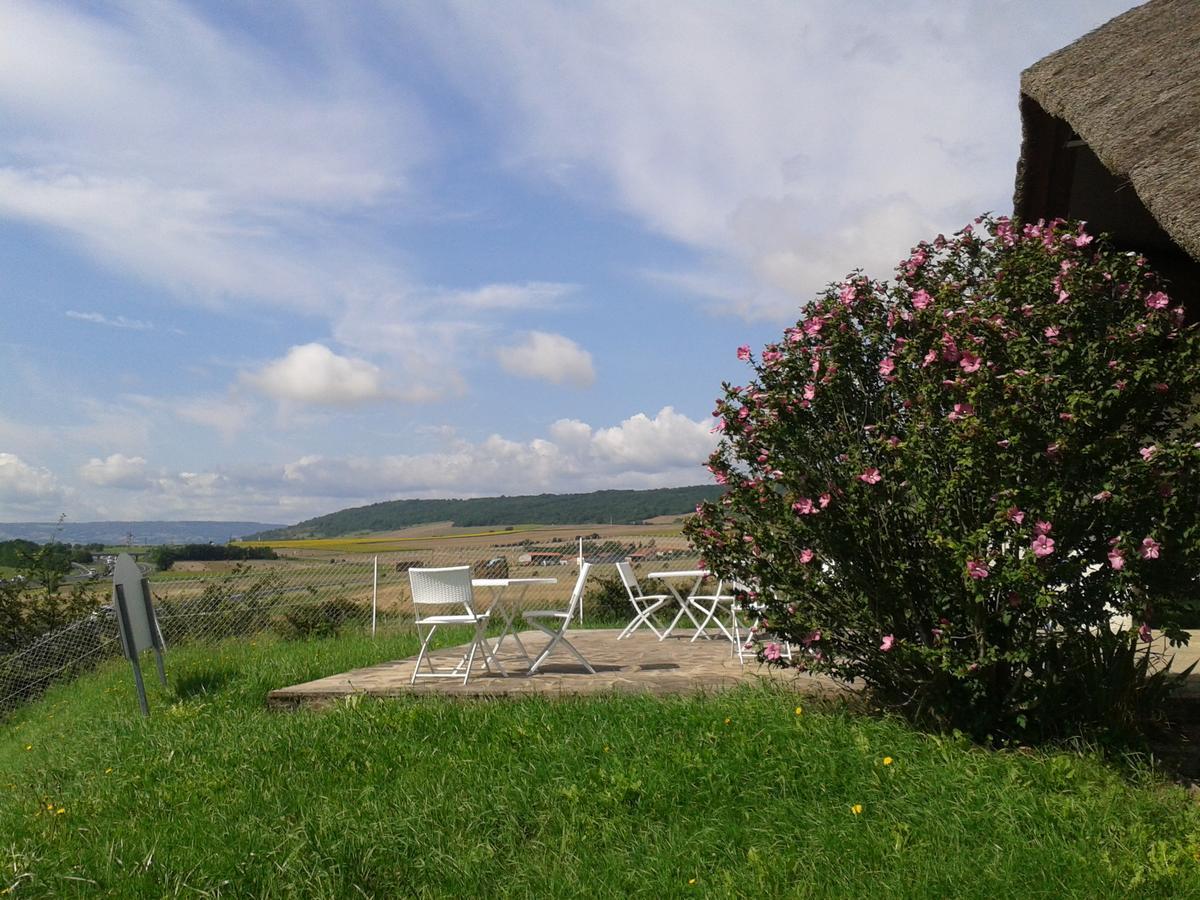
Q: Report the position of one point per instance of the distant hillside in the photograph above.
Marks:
(118, 532)
(598, 507)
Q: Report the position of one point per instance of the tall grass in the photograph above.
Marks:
(736, 794)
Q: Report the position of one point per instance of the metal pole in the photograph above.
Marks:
(374, 595)
(581, 566)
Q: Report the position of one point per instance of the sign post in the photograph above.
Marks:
(136, 622)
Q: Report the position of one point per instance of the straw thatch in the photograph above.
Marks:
(1131, 90)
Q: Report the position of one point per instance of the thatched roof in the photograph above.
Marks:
(1131, 90)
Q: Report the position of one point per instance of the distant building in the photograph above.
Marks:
(1111, 135)
(541, 559)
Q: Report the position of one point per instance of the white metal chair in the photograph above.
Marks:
(745, 636)
(644, 605)
(442, 588)
(560, 620)
(710, 605)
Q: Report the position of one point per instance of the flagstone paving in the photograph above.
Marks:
(640, 664)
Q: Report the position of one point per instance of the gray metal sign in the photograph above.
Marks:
(136, 621)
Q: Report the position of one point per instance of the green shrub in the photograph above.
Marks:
(319, 620)
(946, 485)
(607, 600)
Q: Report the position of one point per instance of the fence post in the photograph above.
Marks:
(374, 595)
(580, 561)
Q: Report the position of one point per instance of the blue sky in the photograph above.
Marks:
(265, 261)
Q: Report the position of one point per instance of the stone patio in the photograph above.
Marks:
(640, 664)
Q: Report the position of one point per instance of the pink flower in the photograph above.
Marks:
(1042, 528)
(870, 476)
(1150, 548)
(810, 391)
(1116, 559)
(1082, 240)
(970, 362)
(1004, 443)
(1162, 387)
(1042, 546)
(811, 638)
(1053, 451)
(1148, 452)
(921, 299)
(1144, 633)
(1158, 300)
(743, 352)
(887, 367)
(823, 500)
(1016, 515)
(961, 411)
(1102, 496)
(806, 556)
(847, 294)
(949, 348)
(930, 357)
(813, 326)
(889, 641)
(977, 569)
(771, 651)
(804, 507)
(1066, 417)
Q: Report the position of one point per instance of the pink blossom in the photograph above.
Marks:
(1150, 548)
(1116, 559)
(1158, 300)
(743, 352)
(930, 357)
(1053, 451)
(771, 651)
(1042, 546)
(1162, 387)
(949, 348)
(870, 476)
(804, 507)
(806, 555)
(1148, 452)
(1051, 334)
(961, 411)
(1042, 527)
(889, 641)
(1004, 443)
(811, 638)
(1102, 496)
(1066, 417)
(887, 367)
(810, 391)
(813, 326)
(921, 299)
(824, 499)
(847, 294)
(970, 362)
(1120, 385)
(1144, 633)
(1016, 515)
(977, 569)
(1082, 240)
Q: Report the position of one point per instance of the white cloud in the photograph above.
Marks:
(26, 489)
(791, 141)
(493, 297)
(116, 470)
(112, 321)
(229, 415)
(549, 357)
(314, 374)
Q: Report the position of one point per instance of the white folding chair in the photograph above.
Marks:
(442, 588)
(710, 605)
(560, 620)
(644, 605)
(746, 636)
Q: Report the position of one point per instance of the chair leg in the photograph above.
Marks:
(422, 655)
(557, 637)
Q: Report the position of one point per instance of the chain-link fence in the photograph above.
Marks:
(319, 588)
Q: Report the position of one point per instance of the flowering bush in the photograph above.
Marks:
(946, 485)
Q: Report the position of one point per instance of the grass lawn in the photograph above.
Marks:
(737, 794)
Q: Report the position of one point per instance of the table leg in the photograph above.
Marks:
(507, 614)
(684, 608)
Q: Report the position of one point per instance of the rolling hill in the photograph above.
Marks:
(623, 507)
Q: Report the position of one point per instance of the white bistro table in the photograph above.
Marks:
(505, 608)
(670, 578)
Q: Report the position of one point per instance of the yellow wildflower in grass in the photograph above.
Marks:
(856, 809)
(108, 771)
(727, 721)
(799, 710)
(887, 760)
(691, 881)
(59, 811)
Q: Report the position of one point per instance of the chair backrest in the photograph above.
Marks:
(625, 570)
(442, 587)
(577, 592)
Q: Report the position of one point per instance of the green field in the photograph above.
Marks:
(732, 795)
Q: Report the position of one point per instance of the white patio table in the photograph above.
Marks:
(669, 578)
(501, 607)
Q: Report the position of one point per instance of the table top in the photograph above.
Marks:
(505, 582)
(680, 573)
